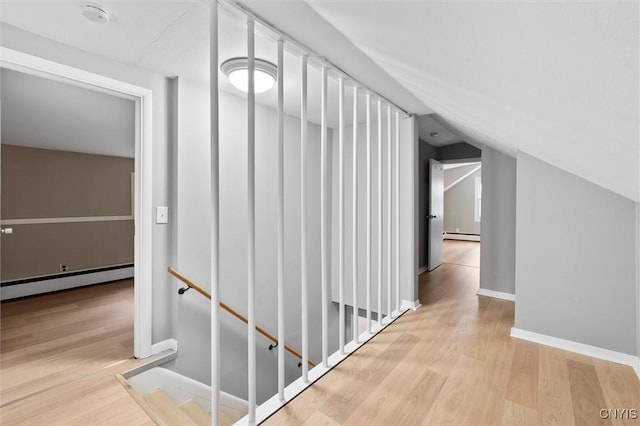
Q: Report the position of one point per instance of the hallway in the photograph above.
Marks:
(453, 362)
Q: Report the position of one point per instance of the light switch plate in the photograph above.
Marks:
(162, 214)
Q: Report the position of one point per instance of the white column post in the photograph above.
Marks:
(354, 215)
(396, 205)
(280, 214)
(251, 138)
(389, 190)
(380, 222)
(215, 212)
(341, 313)
(368, 224)
(303, 223)
(323, 220)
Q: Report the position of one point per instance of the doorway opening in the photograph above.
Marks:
(455, 212)
(141, 180)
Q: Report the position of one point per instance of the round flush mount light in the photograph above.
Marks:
(95, 13)
(237, 71)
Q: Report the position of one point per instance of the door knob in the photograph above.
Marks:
(431, 216)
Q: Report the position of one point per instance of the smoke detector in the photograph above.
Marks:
(95, 13)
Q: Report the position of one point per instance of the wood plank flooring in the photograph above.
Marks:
(453, 362)
(59, 354)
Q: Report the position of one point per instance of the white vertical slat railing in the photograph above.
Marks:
(280, 215)
(324, 261)
(251, 288)
(396, 206)
(368, 208)
(380, 221)
(215, 212)
(389, 190)
(384, 232)
(304, 302)
(354, 217)
(341, 199)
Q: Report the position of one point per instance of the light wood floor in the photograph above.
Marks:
(453, 362)
(59, 354)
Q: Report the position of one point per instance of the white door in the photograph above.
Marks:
(436, 213)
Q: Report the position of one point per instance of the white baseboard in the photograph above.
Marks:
(407, 304)
(63, 283)
(423, 269)
(580, 348)
(496, 294)
(165, 345)
(462, 237)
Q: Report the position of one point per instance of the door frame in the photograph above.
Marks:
(143, 207)
(430, 266)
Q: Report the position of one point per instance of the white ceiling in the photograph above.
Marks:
(172, 38)
(558, 80)
(43, 113)
(429, 124)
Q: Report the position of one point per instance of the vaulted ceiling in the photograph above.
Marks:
(558, 80)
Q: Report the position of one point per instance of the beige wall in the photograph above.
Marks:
(40, 183)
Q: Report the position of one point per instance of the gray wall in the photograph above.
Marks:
(425, 153)
(44, 113)
(459, 201)
(498, 234)
(46, 183)
(457, 151)
(576, 258)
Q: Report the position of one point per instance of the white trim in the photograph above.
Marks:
(496, 294)
(408, 304)
(44, 220)
(457, 181)
(580, 348)
(274, 403)
(461, 237)
(165, 345)
(423, 269)
(477, 199)
(63, 283)
(143, 247)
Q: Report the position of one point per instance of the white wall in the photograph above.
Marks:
(409, 144)
(23, 41)
(498, 233)
(193, 239)
(576, 258)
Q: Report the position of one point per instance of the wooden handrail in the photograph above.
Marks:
(227, 308)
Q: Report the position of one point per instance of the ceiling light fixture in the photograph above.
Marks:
(433, 134)
(95, 13)
(236, 70)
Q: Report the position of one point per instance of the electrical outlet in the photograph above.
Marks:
(64, 267)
